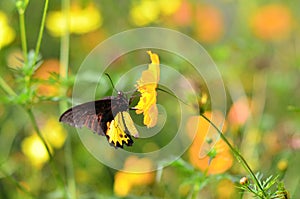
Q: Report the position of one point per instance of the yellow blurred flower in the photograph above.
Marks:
(226, 189)
(7, 34)
(147, 87)
(144, 12)
(168, 7)
(147, 11)
(125, 181)
(81, 20)
(282, 165)
(54, 133)
(219, 159)
(34, 148)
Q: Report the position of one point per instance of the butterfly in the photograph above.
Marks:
(108, 116)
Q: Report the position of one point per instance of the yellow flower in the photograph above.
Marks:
(125, 181)
(144, 12)
(147, 11)
(226, 189)
(80, 20)
(54, 133)
(282, 165)
(168, 7)
(7, 34)
(35, 150)
(147, 87)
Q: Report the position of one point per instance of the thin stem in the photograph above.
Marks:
(23, 36)
(237, 155)
(64, 52)
(253, 192)
(36, 128)
(195, 191)
(63, 71)
(6, 87)
(40, 36)
(54, 168)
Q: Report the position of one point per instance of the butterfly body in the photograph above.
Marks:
(108, 117)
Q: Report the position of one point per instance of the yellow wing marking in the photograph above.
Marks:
(116, 129)
(129, 124)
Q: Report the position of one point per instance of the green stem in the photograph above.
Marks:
(40, 36)
(64, 52)
(237, 155)
(54, 169)
(195, 191)
(36, 128)
(63, 71)
(6, 87)
(23, 36)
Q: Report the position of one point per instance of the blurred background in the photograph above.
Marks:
(255, 45)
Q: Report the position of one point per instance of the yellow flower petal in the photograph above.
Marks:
(147, 87)
(151, 117)
(7, 34)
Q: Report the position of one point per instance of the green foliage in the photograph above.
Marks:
(273, 188)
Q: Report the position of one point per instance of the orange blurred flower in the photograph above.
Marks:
(239, 112)
(147, 87)
(125, 181)
(210, 25)
(44, 72)
(7, 34)
(218, 159)
(80, 21)
(272, 22)
(183, 15)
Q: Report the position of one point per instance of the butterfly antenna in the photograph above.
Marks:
(112, 84)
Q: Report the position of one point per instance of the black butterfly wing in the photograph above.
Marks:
(93, 115)
(107, 117)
